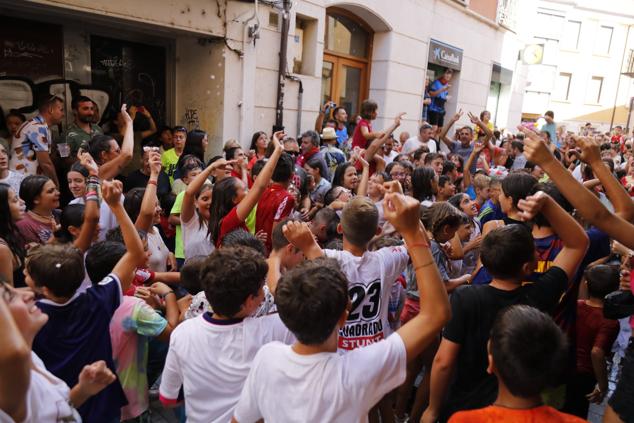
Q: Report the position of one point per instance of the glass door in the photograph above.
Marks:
(344, 82)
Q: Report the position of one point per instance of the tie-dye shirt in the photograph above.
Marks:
(32, 137)
(130, 328)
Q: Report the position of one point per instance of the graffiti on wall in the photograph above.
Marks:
(191, 119)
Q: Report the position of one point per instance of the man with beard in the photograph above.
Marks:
(82, 129)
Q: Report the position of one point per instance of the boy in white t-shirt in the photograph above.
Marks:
(309, 381)
(210, 355)
(370, 274)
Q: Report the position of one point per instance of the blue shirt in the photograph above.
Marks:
(342, 136)
(490, 211)
(438, 106)
(78, 333)
(551, 128)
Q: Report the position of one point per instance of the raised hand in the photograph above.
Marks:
(403, 212)
(457, 116)
(299, 234)
(393, 187)
(473, 118)
(94, 377)
(535, 149)
(155, 163)
(532, 205)
(277, 140)
(111, 192)
(124, 112)
(590, 149)
(88, 162)
(397, 119)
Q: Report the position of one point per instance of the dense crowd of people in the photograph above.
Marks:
(352, 274)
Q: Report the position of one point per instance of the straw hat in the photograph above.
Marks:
(328, 134)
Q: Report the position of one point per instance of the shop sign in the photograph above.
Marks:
(445, 55)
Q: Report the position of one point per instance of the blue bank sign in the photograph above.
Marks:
(445, 55)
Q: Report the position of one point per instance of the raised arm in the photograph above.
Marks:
(586, 203)
(91, 212)
(15, 364)
(261, 182)
(445, 129)
(466, 174)
(113, 167)
(152, 129)
(135, 255)
(372, 149)
(591, 154)
(319, 122)
(148, 205)
(476, 121)
(404, 214)
(299, 234)
(362, 189)
(574, 238)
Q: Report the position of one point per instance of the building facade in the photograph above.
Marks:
(587, 67)
(215, 65)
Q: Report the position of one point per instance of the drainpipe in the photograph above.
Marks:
(300, 101)
(281, 73)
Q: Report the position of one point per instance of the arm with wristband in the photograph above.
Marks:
(93, 201)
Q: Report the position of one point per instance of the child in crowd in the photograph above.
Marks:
(222, 342)
(284, 255)
(470, 246)
(77, 331)
(324, 226)
(594, 338)
(29, 393)
(509, 255)
(444, 222)
(313, 302)
(232, 204)
(363, 134)
(371, 274)
(491, 209)
(519, 335)
(189, 173)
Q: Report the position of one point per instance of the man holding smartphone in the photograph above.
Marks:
(337, 119)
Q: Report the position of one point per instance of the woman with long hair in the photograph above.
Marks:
(41, 196)
(79, 221)
(232, 204)
(11, 243)
(424, 185)
(196, 144)
(259, 142)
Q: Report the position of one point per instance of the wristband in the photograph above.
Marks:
(416, 269)
(166, 294)
(151, 182)
(93, 180)
(419, 244)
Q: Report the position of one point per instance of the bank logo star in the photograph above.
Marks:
(437, 53)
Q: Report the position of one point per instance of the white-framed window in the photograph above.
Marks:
(562, 86)
(603, 40)
(570, 38)
(593, 91)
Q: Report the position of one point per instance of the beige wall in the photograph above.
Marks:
(241, 97)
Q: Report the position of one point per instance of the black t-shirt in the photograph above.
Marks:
(473, 311)
(138, 179)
